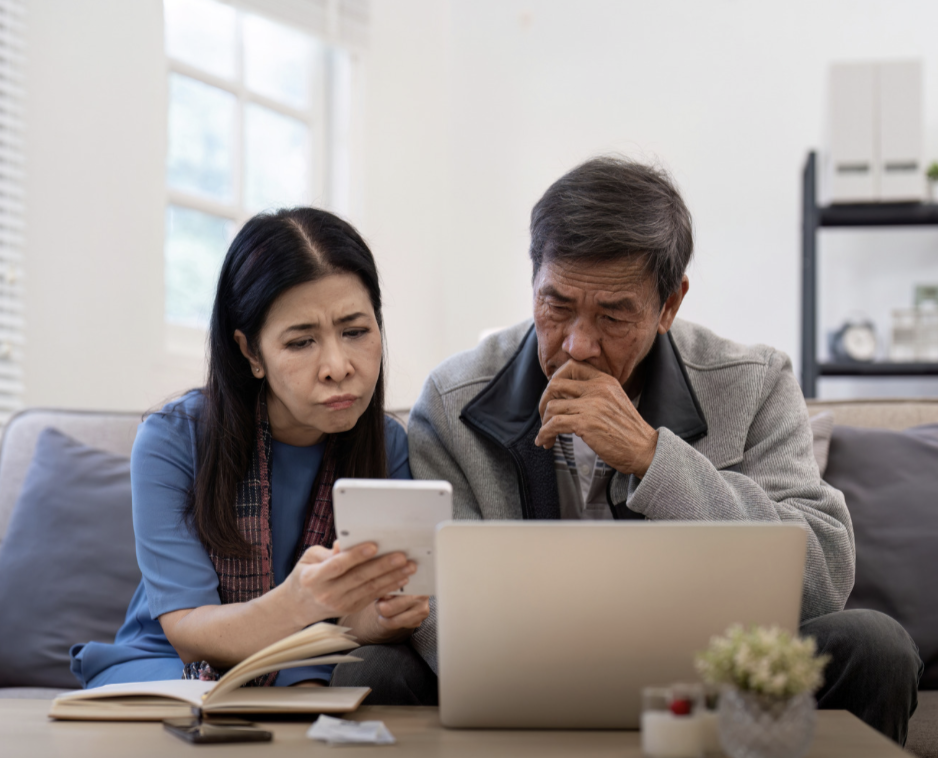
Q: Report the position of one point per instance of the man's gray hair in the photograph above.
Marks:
(612, 208)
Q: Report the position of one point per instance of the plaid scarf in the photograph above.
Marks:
(243, 579)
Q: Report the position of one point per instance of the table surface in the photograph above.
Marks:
(25, 730)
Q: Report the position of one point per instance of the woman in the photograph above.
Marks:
(232, 484)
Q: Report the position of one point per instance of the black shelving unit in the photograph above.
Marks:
(859, 215)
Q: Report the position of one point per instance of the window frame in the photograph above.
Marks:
(323, 145)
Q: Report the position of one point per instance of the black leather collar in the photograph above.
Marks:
(667, 399)
(507, 408)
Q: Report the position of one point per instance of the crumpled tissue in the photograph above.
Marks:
(335, 731)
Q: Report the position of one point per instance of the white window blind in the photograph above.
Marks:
(12, 34)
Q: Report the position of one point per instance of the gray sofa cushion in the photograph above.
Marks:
(890, 482)
(103, 430)
(67, 565)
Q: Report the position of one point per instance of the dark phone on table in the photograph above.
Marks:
(202, 731)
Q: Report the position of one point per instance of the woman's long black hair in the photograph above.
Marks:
(272, 253)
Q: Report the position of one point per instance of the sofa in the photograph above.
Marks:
(110, 436)
(896, 416)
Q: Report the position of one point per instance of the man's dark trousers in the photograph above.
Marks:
(874, 668)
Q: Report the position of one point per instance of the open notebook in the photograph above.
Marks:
(154, 701)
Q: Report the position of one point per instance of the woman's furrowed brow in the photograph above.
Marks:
(348, 319)
(299, 328)
(312, 325)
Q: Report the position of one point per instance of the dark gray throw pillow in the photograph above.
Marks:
(67, 563)
(890, 482)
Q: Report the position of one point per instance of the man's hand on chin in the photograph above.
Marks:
(582, 400)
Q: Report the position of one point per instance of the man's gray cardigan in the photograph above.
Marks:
(734, 444)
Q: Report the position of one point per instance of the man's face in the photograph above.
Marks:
(603, 314)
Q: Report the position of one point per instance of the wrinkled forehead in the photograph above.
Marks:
(621, 283)
(325, 301)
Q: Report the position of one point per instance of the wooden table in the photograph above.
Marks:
(26, 731)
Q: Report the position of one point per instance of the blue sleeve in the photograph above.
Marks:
(395, 439)
(176, 568)
(289, 677)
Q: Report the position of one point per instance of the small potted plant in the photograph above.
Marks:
(932, 174)
(768, 679)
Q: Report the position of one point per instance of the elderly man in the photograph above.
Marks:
(607, 407)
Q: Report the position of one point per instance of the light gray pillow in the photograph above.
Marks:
(890, 482)
(822, 427)
(67, 564)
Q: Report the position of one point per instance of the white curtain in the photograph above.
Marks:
(12, 35)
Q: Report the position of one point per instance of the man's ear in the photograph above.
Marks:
(257, 369)
(672, 305)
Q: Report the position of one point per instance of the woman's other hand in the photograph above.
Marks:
(327, 583)
(391, 619)
(323, 584)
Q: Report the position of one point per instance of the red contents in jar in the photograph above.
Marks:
(680, 707)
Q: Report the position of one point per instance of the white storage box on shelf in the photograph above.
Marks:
(901, 124)
(852, 108)
(875, 126)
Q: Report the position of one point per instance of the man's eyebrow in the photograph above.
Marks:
(549, 291)
(622, 304)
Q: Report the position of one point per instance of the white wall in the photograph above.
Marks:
(96, 150)
(96, 135)
(407, 216)
(728, 95)
(473, 108)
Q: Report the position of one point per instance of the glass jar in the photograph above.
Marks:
(756, 726)
(904, 345)
(927, 333)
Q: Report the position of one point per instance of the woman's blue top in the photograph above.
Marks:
(177, 570)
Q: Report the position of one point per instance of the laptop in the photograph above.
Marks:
(561, 624)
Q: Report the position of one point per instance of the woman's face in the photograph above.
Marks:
(320, 350)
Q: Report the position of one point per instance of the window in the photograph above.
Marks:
(259, 113)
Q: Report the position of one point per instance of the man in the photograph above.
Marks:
(607, 407)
